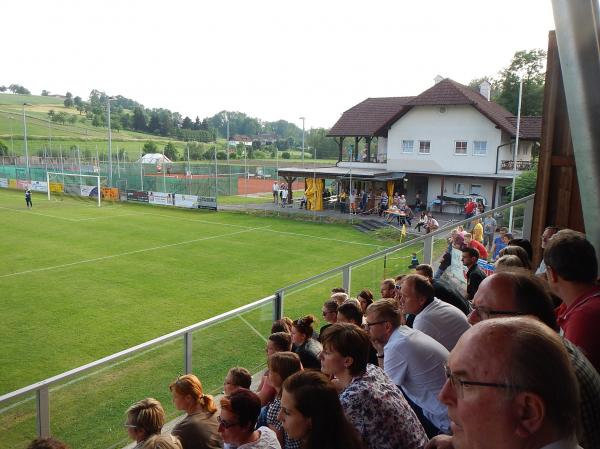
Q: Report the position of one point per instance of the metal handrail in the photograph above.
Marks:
(126, 352)
(400, 246)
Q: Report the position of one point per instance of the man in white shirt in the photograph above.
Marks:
(413, 360)
(441, 321)
(275, 192)
(499, 392)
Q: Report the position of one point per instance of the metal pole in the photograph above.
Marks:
(164, 170)
(12, 145)
(189, 173)
(141, 170)
(216, 179)
(25, 139)
(514, 177)
(109, 146)
(303, 118)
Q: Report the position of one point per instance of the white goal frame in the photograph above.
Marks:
(77, 176)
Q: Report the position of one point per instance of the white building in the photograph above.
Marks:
(448, 141)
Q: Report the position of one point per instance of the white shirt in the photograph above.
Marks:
(284, 193)
(267, 440)
(563, 444)
(415, 362)
(542, 268)
(443, 322)
(275, 187)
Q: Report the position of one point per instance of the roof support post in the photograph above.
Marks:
(341, 148)
(578, 37)
(368, 140)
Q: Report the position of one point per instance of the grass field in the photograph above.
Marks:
(80, 282)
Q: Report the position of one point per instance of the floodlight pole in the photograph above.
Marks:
(109, 144)
(25, 139)
(303, 119)
(514, 175)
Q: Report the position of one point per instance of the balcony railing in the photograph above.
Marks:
(521, 165)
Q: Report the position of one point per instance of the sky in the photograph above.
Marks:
(273, 60)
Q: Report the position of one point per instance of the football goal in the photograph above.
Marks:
(75, 185)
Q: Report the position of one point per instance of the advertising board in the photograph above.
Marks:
(39, 186)
(138, 196)
(4, 182)
(189, 201)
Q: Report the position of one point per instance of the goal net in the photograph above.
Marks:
(74, 185)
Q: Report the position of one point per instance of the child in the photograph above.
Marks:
(281, 366)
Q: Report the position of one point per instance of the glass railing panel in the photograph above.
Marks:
(89, 410)
(308, 299)
(18, 422)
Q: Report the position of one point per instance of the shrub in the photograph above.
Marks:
(286, 155)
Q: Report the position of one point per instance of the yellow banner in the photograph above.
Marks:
(56, 187)
(12, 183)
(110, 193)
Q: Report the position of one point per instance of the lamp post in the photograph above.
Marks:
(514, 176)
(109, 143)
(303, 119)
(25, 139)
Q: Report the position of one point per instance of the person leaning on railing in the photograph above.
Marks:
(199, 428)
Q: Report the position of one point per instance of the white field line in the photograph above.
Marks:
(105, 217)
(253, 328)
(29, 211)
(127, 253)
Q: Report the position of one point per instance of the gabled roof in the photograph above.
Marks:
(374, 116)
(367, 117)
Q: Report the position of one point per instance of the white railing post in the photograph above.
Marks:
(278, 305)
(43, 412)
(428, 250)
(528, 219)
(187, 352)
(347, 278)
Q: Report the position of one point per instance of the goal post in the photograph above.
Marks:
(88, 186)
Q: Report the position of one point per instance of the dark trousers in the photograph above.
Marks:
(430, 429)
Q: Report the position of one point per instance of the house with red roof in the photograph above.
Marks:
(442, 145)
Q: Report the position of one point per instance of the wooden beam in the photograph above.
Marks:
(368, 139)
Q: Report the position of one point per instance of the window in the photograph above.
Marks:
(459, 188)
(424, 146)
(475, 189)
(479, 148)
(407, 146)
(460, 147)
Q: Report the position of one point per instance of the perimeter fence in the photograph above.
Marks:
(85, 406)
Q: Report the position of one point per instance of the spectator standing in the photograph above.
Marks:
(572, 273)
(237, 421)
(353, 202)
(499, 393)
(307, 348)
(475, 275)
(199, 428)
(343, 200)
(144, 419)
(364, 200)
(401, 202)
(383, 203)
(311, 412)
(275, 189)
(472, 243)
(413, 360)
(284, 196)
(440, 320)
(516, 293)
(470, 208)
(489, 229)
(546, 235)
(498, 243)
(477, 232)
(372, 403)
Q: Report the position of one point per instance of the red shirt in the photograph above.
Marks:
(483, 254)
(580, 324)
(470, 207)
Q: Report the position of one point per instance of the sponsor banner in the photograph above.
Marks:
(486, 267)
(161, 198)
(23, 185)
(89, 191)
(73, 189)
(207, 202)
(137, 195)
(12, 183)
(123, 195)
(110, 193)
(56, 187)
(189, 201)
(39, 186)
(3, 182)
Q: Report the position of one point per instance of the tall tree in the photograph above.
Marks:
(45, 93)
(187, 123)
(139, 119)
(3, 88)
(171, 151)
(154, 123)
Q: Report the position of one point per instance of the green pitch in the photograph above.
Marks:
(80, 282)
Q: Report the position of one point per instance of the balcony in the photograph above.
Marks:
(521, 165)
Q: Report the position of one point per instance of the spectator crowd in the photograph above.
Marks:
(512, 361)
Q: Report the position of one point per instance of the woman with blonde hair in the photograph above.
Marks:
(162, 442)
(199, 428)
(145, 418)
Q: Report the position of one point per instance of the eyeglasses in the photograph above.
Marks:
(225, 424)
(129, 426)
(459, 384)
(369, 325)
(485, 313)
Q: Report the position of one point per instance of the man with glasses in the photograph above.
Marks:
(239, 413)
(329, 312)
(499, 392)
(413, 360)
(515, 293)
